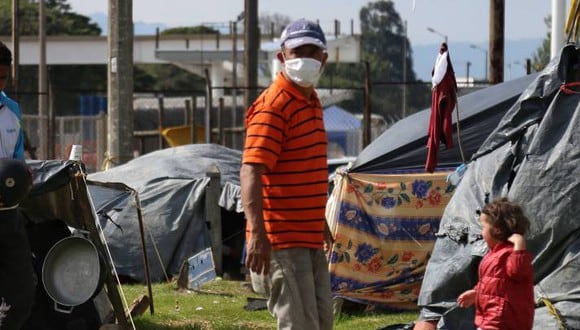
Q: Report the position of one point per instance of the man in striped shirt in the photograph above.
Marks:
(284, 179)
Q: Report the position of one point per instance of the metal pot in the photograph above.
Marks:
(72, 273)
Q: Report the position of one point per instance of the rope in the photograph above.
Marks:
(543, 298)
(568, 88)
(459, 131)
(156, 252)
(554, 311)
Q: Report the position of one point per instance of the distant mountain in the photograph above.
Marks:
(141, 28)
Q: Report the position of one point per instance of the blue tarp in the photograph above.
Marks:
(338, 119)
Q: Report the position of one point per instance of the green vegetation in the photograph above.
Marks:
(220, 305)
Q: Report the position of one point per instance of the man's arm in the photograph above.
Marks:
(257, 247)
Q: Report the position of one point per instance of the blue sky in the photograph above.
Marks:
(460, 20)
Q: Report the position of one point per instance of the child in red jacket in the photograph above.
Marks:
(504, 294)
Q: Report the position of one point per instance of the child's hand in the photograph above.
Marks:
(466, 299)
(518, 240)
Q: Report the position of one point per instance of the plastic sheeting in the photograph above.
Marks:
(403, 145)
(533, 158)
(171, 187)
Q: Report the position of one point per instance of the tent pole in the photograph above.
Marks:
(144, 248)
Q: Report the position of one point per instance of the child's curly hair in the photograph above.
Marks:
(507, 216)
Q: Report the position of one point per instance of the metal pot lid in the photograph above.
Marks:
(71, 271)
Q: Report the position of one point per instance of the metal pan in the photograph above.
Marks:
(72, 273)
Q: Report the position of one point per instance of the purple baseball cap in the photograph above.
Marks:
(303, 32)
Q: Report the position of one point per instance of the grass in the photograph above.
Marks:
(220, 305)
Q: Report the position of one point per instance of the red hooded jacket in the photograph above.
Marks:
(505, 290)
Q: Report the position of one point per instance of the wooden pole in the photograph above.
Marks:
(42, 85)
(367, 110)
(144, 247)
(496, 40)
(251, 47)
(120, 82)
(15, 48)
(213, 214)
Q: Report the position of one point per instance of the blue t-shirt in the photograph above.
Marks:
(11, 136)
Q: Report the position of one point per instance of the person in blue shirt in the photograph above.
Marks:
(17, 275)
(11, 135)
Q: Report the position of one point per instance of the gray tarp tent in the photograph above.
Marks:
(533, 158)
(171, 185)
(528, 153)
(58, 202)
(403, 145)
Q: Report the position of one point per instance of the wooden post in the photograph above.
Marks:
(188, 115)
(42, 85)
(251, 47)
(120, 82)
(193, 120)
(208, 104)
(220, 124)
(496, 40)
(367, 106)
(89, 220)
(160, 118)
(15, 48)
(144, 247)
(101, 139)
(213, 215)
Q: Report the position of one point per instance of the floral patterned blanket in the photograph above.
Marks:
(384, 230)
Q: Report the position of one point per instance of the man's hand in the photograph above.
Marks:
(257, 247)
(258, 250)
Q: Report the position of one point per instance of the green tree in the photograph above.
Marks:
(383, 42)
(200, 29)
(541, 57)
(59, 19)
(273, 23)
(65, 81)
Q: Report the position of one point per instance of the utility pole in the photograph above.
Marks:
(15, 48)
(467, 75)
(558, 38)
(496, 40)
(251, 46)
(44, 124)
(234, 25)
(367, 108)
(120, 82)
(404, 70)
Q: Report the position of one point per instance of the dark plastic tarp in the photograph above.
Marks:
(533, 158)
(403, 145)
(171, 187)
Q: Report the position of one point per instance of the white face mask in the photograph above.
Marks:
(304, 72)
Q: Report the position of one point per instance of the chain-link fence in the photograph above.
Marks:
(163, 121)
